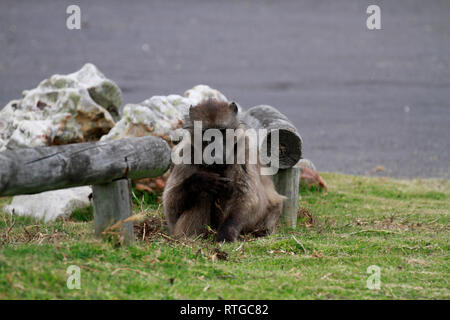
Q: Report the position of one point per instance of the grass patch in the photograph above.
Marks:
(144, 200)
(401, 226)
(84, 214)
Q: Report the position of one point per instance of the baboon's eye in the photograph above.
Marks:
(234, 107)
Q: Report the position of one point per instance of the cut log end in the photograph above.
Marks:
(290, 148)
(290, 142)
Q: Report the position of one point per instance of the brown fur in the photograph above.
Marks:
(231, 198)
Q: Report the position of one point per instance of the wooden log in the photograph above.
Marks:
(112, 203)
(286, 183)
(33, 170)
(290, 142)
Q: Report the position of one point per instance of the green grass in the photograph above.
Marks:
(401, 226)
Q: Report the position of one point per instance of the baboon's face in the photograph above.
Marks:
(215, 114)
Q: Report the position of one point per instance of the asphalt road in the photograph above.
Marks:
(359, 98)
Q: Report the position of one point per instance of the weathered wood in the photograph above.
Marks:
(286, 183)
(33, 170)
(112, 203)
(290, 142)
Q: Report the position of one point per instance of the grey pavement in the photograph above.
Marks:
(359, 98)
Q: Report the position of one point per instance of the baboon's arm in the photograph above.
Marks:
(234, 222)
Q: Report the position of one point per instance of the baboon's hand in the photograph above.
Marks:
(227, 233)
(214, 183)
(210, 182)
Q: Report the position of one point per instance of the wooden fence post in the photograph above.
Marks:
(286, 183)
(106, 165)
(290, 142)
(287, 179)
(112, 203)
(33, 170)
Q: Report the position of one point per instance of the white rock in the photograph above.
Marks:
(156, 116)
(306, 163)
(62, 109)
(160, 115)
(50, 205)
(6, 130)
(203, 92)
(30, 133)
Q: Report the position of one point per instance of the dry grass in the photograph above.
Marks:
(399, 225)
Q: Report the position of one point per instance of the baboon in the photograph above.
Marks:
(230, 198)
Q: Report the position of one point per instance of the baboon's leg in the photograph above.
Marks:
(268, 221)
(193, 221)
(230, 229)
(274, 206)
(273, 213)
(187, 197)
(234, 222)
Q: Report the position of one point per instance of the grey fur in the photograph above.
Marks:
(232, 198)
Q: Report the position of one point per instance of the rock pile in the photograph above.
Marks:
(85, 106)
(81, 106)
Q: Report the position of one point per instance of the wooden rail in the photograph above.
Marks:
(107, 166)
(290, 152)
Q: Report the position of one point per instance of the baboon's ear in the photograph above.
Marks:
(234, 107)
